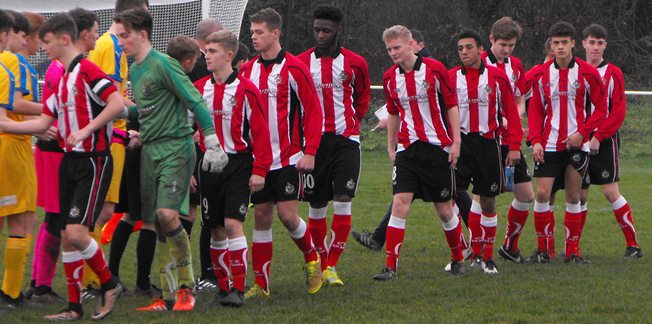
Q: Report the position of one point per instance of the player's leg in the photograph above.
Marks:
(318, 191)
(395, 234)
(261, 246)
(518, 211)
(453, 230)
(573, 217)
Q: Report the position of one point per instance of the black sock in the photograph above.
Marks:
(381, 230)
(145, 256)
(77, 308)
(463, 201)
(187, 225)
(205, 253)
(118, 245)
(53, 224)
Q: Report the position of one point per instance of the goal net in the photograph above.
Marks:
(171, 17)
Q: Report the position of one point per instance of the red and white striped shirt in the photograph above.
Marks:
(294, 113)
(484, 96)
(239, 119)
(80, 97)
(614, 82)
(512, 67)
(558, 104)
(416, 97)
(342, 83)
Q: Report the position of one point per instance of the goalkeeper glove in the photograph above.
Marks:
(214, 158)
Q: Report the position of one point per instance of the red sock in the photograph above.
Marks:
(454, 236)
(238, 258)
(340, 229)
(395, 236)
(542, 225)
(476, 230)
(220, 260)
(94, 257)
(303, 240)
(73, 266)
(488, 224)
(463, 242)
(318, 230)
(572, 223)
(261, 257)
(515, 222)
(624, 217)
(550, 234)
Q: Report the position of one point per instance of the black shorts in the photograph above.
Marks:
(604, 167)
(481, 163)
(423, 169)
(194, 196)
(555, 163)
(226, 194)
(337, 170)
(281, 184)
(521, 170)
(130, 186)
(84, 180)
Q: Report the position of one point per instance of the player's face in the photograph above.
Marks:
(33, 44)
(562, 46)
(130, 41)
(52, 45)
(4, 38)
(262, 37)
(90, 37)
(325, 32)
(217, 57)
(188, 64)
(502, 48)
(594, 47)
(469, 52)
(17, 41)
(399, 49)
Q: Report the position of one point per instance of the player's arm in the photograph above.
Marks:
(261, 142)
(114, 107)
(393, 120)
(510, 112)
(453, 117)
(617, 114)
(535, 118)
(598, 97)
(362, 88)
(33, 126)
(449, 93)
(312, 114)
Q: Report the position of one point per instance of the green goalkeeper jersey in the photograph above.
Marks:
(163, 94)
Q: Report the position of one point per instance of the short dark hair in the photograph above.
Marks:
(561, 29)
(417, 35)
(269, 16)
(182, 48)
(84, 19)
(35, 21)
(21, 24)
(136, 19)
(595, 30)
(242, 54)
(124, 5)
(331, 13)
(470, 33)
(6, 21)
(506, 28)
(58, 25)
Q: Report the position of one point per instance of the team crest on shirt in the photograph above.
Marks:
(146, 90)
(243, 209)
(604, 80)
(425, 85)
(289, 188)
(74, 212)
(350, 184)
(576, 84)
(513, 76)
(343, 76)
(488, 89)
(231, 101)
(444, 193)
(494, 187)
(276, 78)
(605, 174)
(576, 158)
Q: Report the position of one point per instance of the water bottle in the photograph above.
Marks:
(509, 178)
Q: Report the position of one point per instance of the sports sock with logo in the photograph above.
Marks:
(340, 229)
(318, 227)
(261, 256)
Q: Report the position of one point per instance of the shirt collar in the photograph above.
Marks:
(493, 58)
(74, 62)
(480, 70)
(337, 52)
(277, 60)
(228, 80)
(417, 65)
(570, 65)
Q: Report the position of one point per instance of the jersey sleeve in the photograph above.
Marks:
(536, 114)
(618, 107)
(307, 95)
(11, 61)
(387, 89)
(261, 143)
(448, 92)
(362, 87)
(108, 55)
(598, 97)
(7, 88)
(510, 111)
(100, 84)
(178, 83)
(520, 83)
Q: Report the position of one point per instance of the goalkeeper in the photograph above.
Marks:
(162, 92)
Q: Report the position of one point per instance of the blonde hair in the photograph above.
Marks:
(225, 38)
(397, 31)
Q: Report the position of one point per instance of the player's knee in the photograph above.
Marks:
(342, 198)
(611, 192)
(233, 228)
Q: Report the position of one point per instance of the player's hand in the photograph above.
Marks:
(78, 136)
(196, 137)
(574, 141)
(48, 135)
(537, 153)
(392, 154)
(454, 154)
(214, 158)
(594, 146)
(134, 140)
(193, 184)
(513, 157)
(382, 124)
(256, 183)
(306, 164)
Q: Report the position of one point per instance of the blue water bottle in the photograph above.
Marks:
(509, 178)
